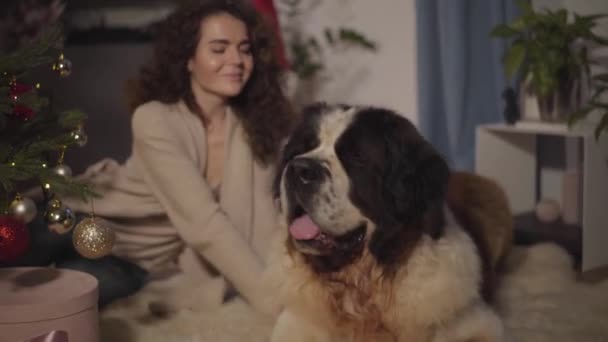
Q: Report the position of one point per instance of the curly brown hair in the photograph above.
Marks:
(262, 106)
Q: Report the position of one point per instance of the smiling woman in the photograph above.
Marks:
(194, 197)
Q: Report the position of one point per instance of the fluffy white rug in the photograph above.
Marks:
(540, 300)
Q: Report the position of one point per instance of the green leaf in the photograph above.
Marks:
(35, 54)
(578, 115)
(312, 42)
(356, 38)
(598, 91)
(513, 58)
(600, 104)
(503, 31)
(544, 79)
(309, 70)
(601, 77)
(597, 39)
(71, 119)
(594, 17)
(562, 17)
(602, 126)
(525, 6)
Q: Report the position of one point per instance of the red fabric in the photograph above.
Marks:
(268, 10)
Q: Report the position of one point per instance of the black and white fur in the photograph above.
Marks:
(376, 189)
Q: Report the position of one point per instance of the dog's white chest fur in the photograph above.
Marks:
(434, 297)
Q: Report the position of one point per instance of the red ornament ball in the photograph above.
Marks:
(18, 89)
(14, 238)
(22, 112)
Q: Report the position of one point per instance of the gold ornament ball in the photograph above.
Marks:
(55, 204)
(23, 209)
(61, 220)
(63, 66)
(63, 171)
(80, 137)
(93, 238)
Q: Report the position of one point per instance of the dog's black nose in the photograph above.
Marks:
(307, 170)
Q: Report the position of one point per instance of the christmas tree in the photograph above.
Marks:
(34, 137)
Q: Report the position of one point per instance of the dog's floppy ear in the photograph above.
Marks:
(416, 177)
(414, 186)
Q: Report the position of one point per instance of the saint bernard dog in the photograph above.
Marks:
(382, 241)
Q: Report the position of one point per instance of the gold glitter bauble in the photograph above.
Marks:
(93, 238)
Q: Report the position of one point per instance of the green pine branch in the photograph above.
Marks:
(26, 145)
(33, 55)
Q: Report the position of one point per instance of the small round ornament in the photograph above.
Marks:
(23, 208)
(17, 89)
(63, 170)
(93, 238)
(63, 66)
(80, 137)
(14, 238)
(65, 220)
(54, 203)
(22, 112)
(60, 219)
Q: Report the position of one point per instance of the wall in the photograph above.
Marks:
(387, 77)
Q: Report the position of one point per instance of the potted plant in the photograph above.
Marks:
(549, 53)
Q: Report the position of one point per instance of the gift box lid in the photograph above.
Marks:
(32, 294)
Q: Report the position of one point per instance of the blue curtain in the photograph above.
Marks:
(460, 74)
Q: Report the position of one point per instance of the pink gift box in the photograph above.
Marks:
(48, 304)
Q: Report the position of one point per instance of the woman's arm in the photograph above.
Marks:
(181, 189)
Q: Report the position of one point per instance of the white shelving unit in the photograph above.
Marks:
(507, 154)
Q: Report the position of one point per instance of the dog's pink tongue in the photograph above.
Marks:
(303, 228)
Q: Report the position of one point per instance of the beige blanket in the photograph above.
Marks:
(540, 300)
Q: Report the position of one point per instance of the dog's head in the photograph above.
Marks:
(358, 177)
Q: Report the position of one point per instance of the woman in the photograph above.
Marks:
(209, 116)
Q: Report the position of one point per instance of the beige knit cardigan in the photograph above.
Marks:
(164, 212)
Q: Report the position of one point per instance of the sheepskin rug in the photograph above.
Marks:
(540, 300)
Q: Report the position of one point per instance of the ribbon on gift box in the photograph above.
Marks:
(52, 336)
